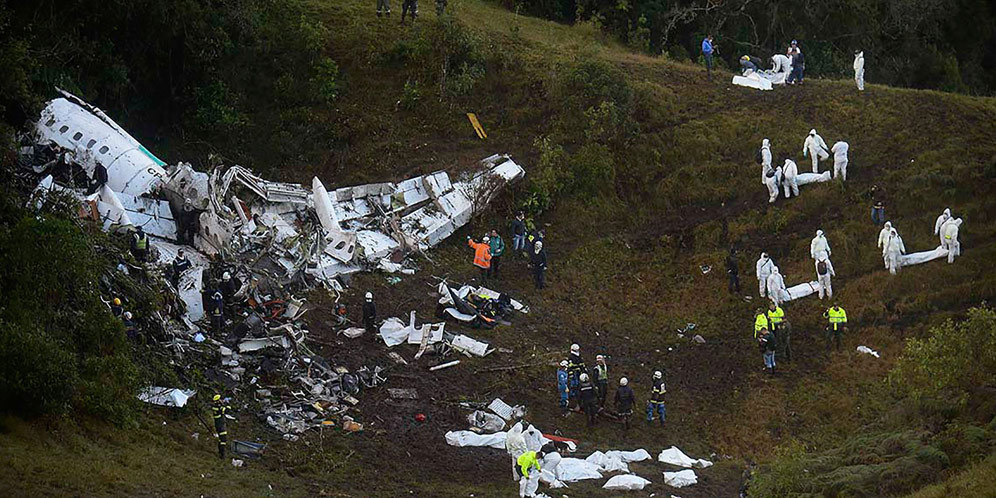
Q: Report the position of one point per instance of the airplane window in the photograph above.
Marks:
(91, 143)
(103, 149)
(78, 135)
(63, 129)
(340, 245)
(50, 122)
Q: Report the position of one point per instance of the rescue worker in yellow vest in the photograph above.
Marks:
(140, 245)
(782, 330)
(760, 321)
(656, 402)
(219, 408)
(601, 378)
(837, 322)
(528, 477)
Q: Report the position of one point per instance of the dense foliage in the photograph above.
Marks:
(923, 44)
(214, 74)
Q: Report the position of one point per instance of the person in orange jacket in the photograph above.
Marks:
(482, 255)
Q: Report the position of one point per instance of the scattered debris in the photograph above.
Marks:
(444, 365)
(237, 462)
(477, 126)
(397, 393)
(248, 449)
(166, 396)
(699, 339)
(705, 269)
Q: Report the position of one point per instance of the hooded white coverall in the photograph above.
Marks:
(839, 150)
(772, 182)
(815, 148)
(763, 268)
(515, 445)
(824, 279)
(883, 242)
(896, 249)
(949, 234)
(859, 70)
(945, 216)
(765, 154)
(819, 245)
(776, 287)
(781, 64)
(789, 183)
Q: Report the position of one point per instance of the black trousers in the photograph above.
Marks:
(540, 276)
(734, 285)
(219, 427)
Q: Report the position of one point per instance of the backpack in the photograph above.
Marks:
(758, 157)
(821, 267)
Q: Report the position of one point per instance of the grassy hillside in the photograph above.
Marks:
(641, 171)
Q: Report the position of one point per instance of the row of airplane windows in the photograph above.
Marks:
(77, 136)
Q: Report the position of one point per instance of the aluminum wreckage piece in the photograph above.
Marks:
(287, 228)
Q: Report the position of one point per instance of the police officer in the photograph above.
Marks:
(836, 322)
(601, 379)
(587, 395)
(140, 245)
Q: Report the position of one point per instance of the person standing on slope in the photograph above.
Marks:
(790, 172)
(815, 148)
(762, 270)
(839, 150)
(707, 51)
(859, 69)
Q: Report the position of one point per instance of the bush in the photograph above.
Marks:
(59, 345)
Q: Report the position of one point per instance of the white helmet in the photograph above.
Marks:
(127, 315)
(623, 381)
(369, 296)
(226, 276)
(486, 239)
(575, 348)
(658, 374)
(539, 244)
(584, 377)
(599, 357)
(564, 363)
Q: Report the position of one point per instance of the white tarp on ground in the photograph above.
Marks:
(629, 456)
(753, 80)
(775, 78)
(393, 331)
(680, 479)
(922, 257)
(576, 469)
(607, 463)
(166, 396)
(802, 290)
(676, 457)
(468, 438)
(626, 483)
(807, 178)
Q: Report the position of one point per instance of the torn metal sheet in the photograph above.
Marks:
(341, 245)
(428, 333)
(470, 346)
(266, 342)
(270, 191)
(190, 286)
(397, 393)
(154, 216)
(501, 408)
(92, 136)
(393, 331)
(166, 396)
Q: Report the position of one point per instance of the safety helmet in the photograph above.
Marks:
(369, 296)
(623, 381)
(179, 252)
(658, 374)
(794, 42)
(217, 397)
(127, 315)
(564, 363)
(226, 276)
(539, 244)
(575, 348)
(486, 239)
(599, 357)
(117, 301)
(584, 377)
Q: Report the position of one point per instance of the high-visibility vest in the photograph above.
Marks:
(141, 242)
(527, 461)
(657, 393)
(760, 322)
(603, 372)
(836, 317)
(777, 316)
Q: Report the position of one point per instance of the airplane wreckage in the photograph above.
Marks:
(292, 231)
(267, 241)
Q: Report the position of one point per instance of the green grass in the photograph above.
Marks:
(624, 266)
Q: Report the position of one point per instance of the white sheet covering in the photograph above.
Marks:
(468, 438)
(807, 178)
(576, 469)
(680, 479)
(626, 483)
(629, 456)
(922, 257)
(802, 290)
(607, 463)
(753, 80)
(674, 456)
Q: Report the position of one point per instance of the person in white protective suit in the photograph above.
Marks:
(781, 64)
(949, 234)
(789, 173)
(515, 445)
(815, 148)
(839, 150)
(944, 217)
(819, 245)
(771, 180)
(859, 69)
(896, 250)
(763, 268)
(824, 270)
(776, 287)
(765, 157)
(883, 242)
